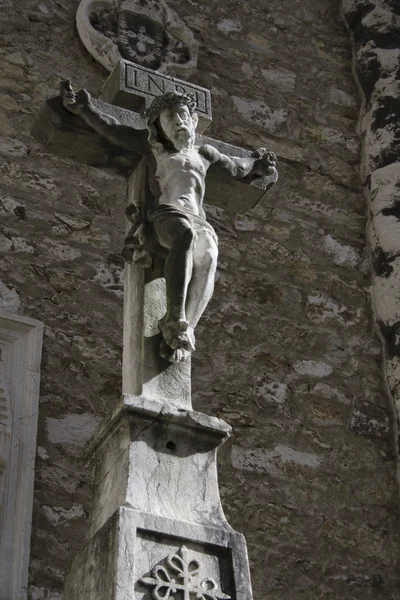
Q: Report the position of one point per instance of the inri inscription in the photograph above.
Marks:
(134, 87)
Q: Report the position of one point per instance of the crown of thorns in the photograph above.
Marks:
(168, 100)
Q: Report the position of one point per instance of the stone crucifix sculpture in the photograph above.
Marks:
(176, 218)
(156, 512)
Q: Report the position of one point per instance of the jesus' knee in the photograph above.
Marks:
(207, 253)
(184, 237)
(188, 236)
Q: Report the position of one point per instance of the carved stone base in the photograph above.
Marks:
(137, 556)
(157, 524)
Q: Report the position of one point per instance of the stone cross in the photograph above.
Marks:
(189, 272)
(155, 458)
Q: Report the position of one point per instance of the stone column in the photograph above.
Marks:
(145, 373)
(375, 27)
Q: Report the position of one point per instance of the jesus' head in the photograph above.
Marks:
(172, 117)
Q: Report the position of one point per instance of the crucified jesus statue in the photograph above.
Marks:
(177, 217)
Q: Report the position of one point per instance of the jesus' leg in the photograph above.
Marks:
(201, 287)
(177, 235)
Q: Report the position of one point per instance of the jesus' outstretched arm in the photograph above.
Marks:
(80, 103)
(259, 163)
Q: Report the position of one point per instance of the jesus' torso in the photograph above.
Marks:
(181, 178)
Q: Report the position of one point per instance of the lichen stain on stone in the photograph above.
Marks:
(369, 419)
(312, 368)
(9, 299)
(393, 211)
(273, 462)
(58, 514)
(341, 253)
(381, 263)
(229, 26)
(386, 113)
(391, 335)
(261, 114)
(322, 308)
(269, 391)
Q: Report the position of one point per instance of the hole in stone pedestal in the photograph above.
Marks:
(171, 445)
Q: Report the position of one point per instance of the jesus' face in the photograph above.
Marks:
(178, 125)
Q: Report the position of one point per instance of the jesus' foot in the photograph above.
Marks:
(174, 356)
(177, 334)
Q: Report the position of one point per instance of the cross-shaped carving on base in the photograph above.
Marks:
(186, 580)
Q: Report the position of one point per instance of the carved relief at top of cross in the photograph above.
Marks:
(147, 33)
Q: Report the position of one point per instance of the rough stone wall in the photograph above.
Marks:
(60, 221)
(286, 351)
(375, 29)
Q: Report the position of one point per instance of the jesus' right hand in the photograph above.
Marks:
(73, 101)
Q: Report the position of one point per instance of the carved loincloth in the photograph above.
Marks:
(168, 211)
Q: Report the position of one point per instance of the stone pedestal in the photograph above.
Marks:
(157, 528)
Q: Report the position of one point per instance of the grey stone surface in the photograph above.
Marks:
(134, 87)
(144, 451)
(59, 132)
(155, 458)
(186, 572)
(179, 218)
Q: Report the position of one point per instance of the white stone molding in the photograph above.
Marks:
(20, 355)
(374, 26)
(102, 48)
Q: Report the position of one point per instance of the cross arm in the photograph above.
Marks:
(68, 135)
(234, 180)
(114, 131)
